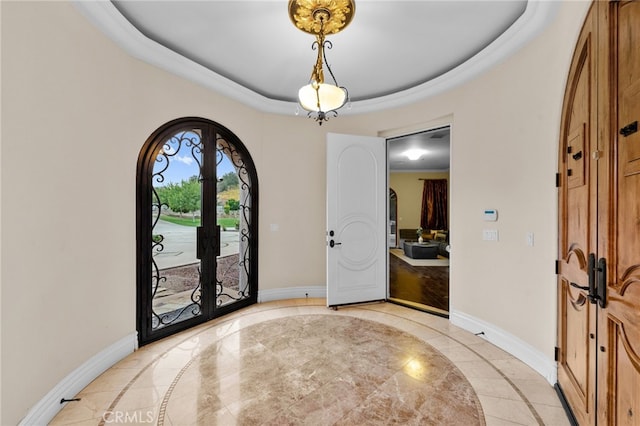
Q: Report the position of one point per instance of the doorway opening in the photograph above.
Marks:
(419, 234)
(197, 227)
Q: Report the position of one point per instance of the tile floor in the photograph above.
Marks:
(297, 362)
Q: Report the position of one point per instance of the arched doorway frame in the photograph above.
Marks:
(216, 140)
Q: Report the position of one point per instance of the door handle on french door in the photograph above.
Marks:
(206, 241)
(217, 242)
(201, 242)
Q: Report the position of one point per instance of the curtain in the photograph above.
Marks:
(434, 204)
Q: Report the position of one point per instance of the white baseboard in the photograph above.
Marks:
(291, 293)
(70, 386)
(514, 345)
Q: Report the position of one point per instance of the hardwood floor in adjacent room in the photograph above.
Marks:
(425, 285)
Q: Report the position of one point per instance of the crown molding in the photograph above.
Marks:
(105, 16)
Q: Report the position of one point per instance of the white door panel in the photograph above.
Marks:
(356, 214)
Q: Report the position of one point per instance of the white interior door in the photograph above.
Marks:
(356, 219)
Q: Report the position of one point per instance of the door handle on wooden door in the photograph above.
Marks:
(597, 281)
(602, 282)
(581, 287)
(592, 277)
(592, 289)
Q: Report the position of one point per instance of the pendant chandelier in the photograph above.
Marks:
(321, 18)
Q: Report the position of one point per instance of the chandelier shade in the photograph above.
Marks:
(321, 97)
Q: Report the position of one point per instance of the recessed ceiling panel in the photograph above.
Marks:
(388, 47)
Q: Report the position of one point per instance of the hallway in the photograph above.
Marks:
(297, 362)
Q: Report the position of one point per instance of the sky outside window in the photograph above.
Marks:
(183, 165)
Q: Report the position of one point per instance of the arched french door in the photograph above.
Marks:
(197, 227)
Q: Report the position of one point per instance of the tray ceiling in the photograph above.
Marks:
(393, 53)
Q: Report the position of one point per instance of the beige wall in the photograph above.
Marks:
(1, 257)
(76, 110)
(408, 187)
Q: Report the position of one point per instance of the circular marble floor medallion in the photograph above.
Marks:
(320, 370)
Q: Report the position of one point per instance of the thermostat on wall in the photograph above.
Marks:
(490, 215)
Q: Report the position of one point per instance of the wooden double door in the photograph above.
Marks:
(599, 221)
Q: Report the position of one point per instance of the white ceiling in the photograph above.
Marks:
(393, 52)
(435, 144)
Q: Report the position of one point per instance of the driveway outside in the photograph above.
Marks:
(180, 244)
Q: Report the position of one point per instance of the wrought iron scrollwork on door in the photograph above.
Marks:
(189, 269)
(185, 147)
(232, 278)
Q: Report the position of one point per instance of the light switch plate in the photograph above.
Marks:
(530, 239)
(490, 235)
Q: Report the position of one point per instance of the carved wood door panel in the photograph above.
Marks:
(599, 221)
(578, 229)
(619, 322)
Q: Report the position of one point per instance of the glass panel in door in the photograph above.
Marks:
(233, 209)
(176, 214)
